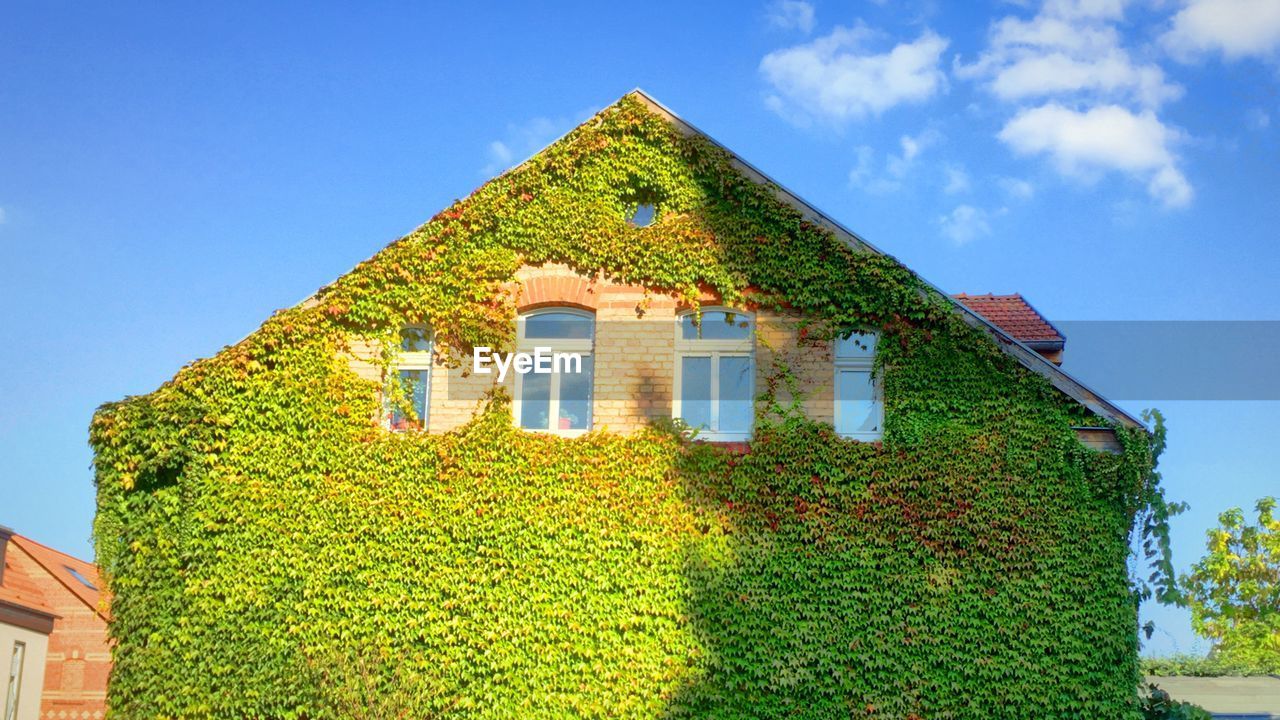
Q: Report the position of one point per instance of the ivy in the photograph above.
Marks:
(253, 520)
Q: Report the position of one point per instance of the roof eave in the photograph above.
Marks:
(1045, 345)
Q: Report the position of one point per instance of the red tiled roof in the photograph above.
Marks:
(17, 588)
(60, 565)
(1014, 315)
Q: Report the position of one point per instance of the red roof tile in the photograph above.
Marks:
(1014, 315)
(17, 588)
(64, 567)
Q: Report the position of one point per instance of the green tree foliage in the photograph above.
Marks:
(1197, 666)
(1234, 591)
(254, 522)
(1157, 705)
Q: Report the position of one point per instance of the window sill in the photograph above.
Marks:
(556, 433)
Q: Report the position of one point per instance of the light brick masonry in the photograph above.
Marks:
(634, 352)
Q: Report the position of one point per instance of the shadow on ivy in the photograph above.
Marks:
(834, 578)
(159, 477)
(772, 576)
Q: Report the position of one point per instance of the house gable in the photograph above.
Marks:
(691, 287)
(257, 521)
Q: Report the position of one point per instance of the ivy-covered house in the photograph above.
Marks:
(787, 477)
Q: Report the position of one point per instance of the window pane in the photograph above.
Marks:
(13, 686)
(415, 385)
(857, 410)
(857, 345)
(575, 397)
(535, 401)
(716, 325)
(558, 325)
(415, 340)
(641, 215)
(695, 391)
(735, 394)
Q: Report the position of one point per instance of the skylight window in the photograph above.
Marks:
(83, 580)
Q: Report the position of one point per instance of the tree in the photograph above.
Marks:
(1234, 591)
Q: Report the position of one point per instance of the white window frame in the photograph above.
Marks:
(858, 364)
(13, 685)
(413, 360)
(714, 349)
(584, 347)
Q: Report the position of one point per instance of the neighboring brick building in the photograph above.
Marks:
(78, 656)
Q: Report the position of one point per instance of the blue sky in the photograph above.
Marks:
(171, 175)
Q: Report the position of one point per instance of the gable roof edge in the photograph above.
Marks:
(1030, 359)
(39, 558)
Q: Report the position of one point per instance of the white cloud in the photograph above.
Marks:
(1235, 28)
(500, 156)
(1258, 119)
(837, 78)
(1103, 9)
(1016, 188)
(863, 174)
(896, 167)
(1083, 99)
(792, 15)
(1067, 49)
(957, 180)
(522, 140)
(899, 165)
(1107, 137)
(860, 174)
(964, 224)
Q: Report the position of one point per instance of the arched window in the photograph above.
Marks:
(715, 373)
(859, 405)
(409, 406)
(555, 395)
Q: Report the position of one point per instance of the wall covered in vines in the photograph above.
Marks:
(269, 547)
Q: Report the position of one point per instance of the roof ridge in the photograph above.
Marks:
(51, 549)
(990, 296)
